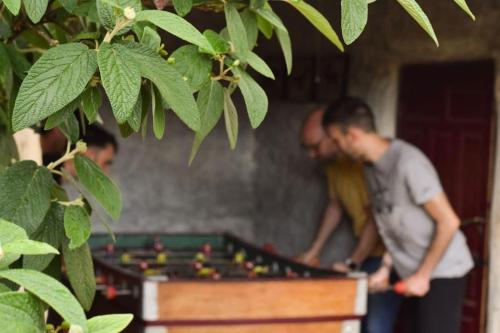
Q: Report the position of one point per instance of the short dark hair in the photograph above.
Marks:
(350, 112)
(97, 136)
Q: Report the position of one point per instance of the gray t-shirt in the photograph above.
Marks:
(400, 182)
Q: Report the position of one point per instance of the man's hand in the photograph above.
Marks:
(340, 267)
(417, 285)
(379, 281)
(309, 258)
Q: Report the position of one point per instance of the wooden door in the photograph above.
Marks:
(447, 111)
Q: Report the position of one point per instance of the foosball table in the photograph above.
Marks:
(194, 283)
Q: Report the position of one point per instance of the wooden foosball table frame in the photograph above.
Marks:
(315, 300)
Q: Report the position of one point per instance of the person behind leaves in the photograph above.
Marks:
(101, 148)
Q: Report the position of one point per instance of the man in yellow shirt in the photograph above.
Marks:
(348, 193)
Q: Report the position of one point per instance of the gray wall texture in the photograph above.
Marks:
(266, 190)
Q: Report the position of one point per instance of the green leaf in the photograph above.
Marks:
(196, 67)
(270, 16)
(21, 312)
(231, 119)
(151, 38)
(28, 246)
(169, 82)
(354, 19)
(318, 21)
(99, 185)
(158, 115)
(86, 35)
(51, 231)
(121, 79)
(88, 10)
(415, 11)
(10, 232)
(91, 101)
(255, 97)
(13, 6)
(125, 130)
(109, 323)
(260, 65)
(250, 22)
(8, 148)
(35, 9)
(57, 78)
(183, 7)
(80, 271)
(76, 225)
(111, 10)
(5, 68)
(176, 26)
(463, 4)
(255, 4)
(211, 103)
(20, 65)
(265, 27)
(25, 194)
(237, 31)
(62, 115)
(286, 47)
(51, 292)
(69, 5)
(70, 128)
(5, 30)
(135, 118)
(219, 44)
(4, 288)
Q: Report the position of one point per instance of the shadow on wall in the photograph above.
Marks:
(267, 190)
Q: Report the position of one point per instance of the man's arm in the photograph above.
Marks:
(367, 240)
(447, 223)
(329, 223)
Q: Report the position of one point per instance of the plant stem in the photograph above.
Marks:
(81, 147)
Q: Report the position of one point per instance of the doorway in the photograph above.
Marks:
(447, 111)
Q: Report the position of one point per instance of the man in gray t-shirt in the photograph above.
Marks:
(414, 218)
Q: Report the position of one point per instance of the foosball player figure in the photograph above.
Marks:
(110, 249)
(206, 249)
(290, 273)
(158, 245)
(200, 257)
(258, 270)
(239, 257)
(249, 265)
(143, 265)
(146, 270)
(125, 258)
(161, 258)
(206, 271)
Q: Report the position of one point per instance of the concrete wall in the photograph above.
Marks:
(161, 193)
(266, 191)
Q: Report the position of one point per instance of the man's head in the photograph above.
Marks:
(349, 122)
(101, 148)
(319, 146)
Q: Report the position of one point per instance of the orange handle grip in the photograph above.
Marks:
(400, 288)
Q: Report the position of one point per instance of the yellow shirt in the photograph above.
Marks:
(346, 182)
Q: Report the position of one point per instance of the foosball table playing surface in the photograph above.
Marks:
(218, 283)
